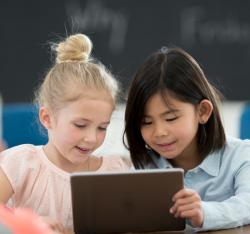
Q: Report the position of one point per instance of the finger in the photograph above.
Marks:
(183, 193)
(185, 201)
(54, 226)
(59, 227)
(69, 231)
(182, 209)
(195, 216)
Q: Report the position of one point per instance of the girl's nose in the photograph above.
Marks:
(90, 136)
(160, 130)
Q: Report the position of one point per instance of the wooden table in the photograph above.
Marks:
(239, 230)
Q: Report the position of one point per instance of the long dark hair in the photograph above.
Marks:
(174, 71)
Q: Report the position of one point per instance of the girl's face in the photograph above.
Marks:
(171, 129)
(79, 128)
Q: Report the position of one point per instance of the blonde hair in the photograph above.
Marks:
(73, 72)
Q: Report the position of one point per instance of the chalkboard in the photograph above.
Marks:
(124, 33)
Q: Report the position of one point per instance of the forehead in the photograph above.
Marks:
(159, 103)
(89, 108)
(90, 93)
(83, 100)
(161, 100)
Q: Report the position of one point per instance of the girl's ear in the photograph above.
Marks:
(45, 117)
(205, 109)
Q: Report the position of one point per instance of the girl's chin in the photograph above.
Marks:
(169, 154)
(78, 161)
(169, 157)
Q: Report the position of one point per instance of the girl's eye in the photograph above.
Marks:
(171, 119)
(80, 125)
(102, 128)
(146, 123)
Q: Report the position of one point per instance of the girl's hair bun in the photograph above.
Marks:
(75, 48)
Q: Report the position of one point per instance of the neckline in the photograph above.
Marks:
(61, 171)
(52, 165)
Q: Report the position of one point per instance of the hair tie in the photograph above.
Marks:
(164, 49)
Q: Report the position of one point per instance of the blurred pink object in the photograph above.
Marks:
(23, 221)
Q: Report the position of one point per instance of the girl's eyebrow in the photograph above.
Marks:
(170, 111)
(82, 119)
(108, 122)
(89, 120)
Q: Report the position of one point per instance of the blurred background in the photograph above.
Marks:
(124, 33)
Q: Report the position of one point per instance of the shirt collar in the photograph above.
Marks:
(211, 164)
(159, 161)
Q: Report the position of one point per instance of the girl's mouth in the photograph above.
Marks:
(166, 146)
(83, 150)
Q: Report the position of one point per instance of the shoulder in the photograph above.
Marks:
(115, 163)
(20, 164)
(236, 145)
(21, 148)
(25, 150)
(18, 155)
(236, 151)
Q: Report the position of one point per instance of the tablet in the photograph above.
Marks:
(133, 201)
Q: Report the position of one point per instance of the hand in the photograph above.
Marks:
(187, 204)
(55, 226)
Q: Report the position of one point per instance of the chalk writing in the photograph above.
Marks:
(97, 17)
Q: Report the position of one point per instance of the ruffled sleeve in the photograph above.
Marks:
(20, 166)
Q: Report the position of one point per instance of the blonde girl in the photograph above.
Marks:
(76, 100)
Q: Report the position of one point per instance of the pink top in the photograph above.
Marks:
(40, 185)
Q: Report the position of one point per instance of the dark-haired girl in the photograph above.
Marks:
(172, 119)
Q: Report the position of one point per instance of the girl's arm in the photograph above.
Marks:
(212, 215)
(234, 211)
(6, 193)
(55, 226)
(6, 190)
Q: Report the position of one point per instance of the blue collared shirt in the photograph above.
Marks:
(223, 183)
